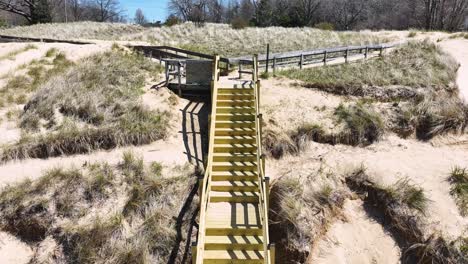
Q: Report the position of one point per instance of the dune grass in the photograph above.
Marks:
(415, 64)
(459, 180)
(94, 105)
(74, 30)
(303, 205)
(211, 38)
(102, 213)
(358, 124)
(12, 54)
(18, 87)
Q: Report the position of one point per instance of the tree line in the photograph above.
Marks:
(450, 15)
(447, 15)
(45, 11)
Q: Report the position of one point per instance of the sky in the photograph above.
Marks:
(154, 10)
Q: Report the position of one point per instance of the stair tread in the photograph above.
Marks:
(232, 215)
(234, 194)
(234, 163)
(228, 154)
(230, 239)
(234, 254)
(235, 173)
(242, 183)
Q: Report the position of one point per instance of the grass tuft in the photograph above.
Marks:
(363, 125)
(459, 180)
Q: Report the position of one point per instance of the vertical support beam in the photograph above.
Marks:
(301, 62)
(200, 188)
(179, 76)
(267, 57)
(274, 66)
(381, 52)
(194, 252)
(240, 69)
(366, 52)
(325, 58)
(346, 55)
(272, 248)
(267, 192)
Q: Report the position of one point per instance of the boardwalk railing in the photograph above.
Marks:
(166, 52)
(5, 38)
(302, 58)
(205, 187)
(264, 182)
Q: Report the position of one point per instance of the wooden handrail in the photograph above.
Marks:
(205, 195)
(261, 174)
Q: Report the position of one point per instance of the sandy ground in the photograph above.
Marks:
(358, 240)
(13, 251)
(458, 48)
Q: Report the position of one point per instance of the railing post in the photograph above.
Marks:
(325, 58)
(381, 52)
(267, 57)
(179, 77)
(346, 55)
(301, 61)
(272, 248)
(267, 192)
(240, 69)
(274, 66)
(366, 52)
(194, 252)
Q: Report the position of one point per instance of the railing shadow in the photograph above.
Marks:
(195, 129)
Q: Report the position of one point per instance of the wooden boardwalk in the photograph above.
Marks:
(234, 192)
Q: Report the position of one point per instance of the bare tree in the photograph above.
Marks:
(347, 13)
(34, 11)
(106, 10)
(306, 10)
(140, 17)
(181, 8)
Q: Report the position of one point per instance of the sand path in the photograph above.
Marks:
(359, 240)
(458, 48)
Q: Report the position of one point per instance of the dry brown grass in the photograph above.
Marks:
(130, 213)
(94, 105)
(357, 125)
(303, 205)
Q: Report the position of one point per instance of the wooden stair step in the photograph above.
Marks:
(235, 166)
(235, 117)
(228, 157)
(235, 96)
(234, 124)
(235, 140)
(235, 132)
(235, 148)
(233, 256)
(235, 109)
(234, 176)
(234, 197)
(233, 217)
(235, 103)
(234, 242)
(247, 89)
(228, 186)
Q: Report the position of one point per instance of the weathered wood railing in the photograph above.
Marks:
(167, 52)
(206, 183)
(305, 57)
(262, 180)
(6, 38)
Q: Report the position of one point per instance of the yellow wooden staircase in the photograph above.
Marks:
(234, 193)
